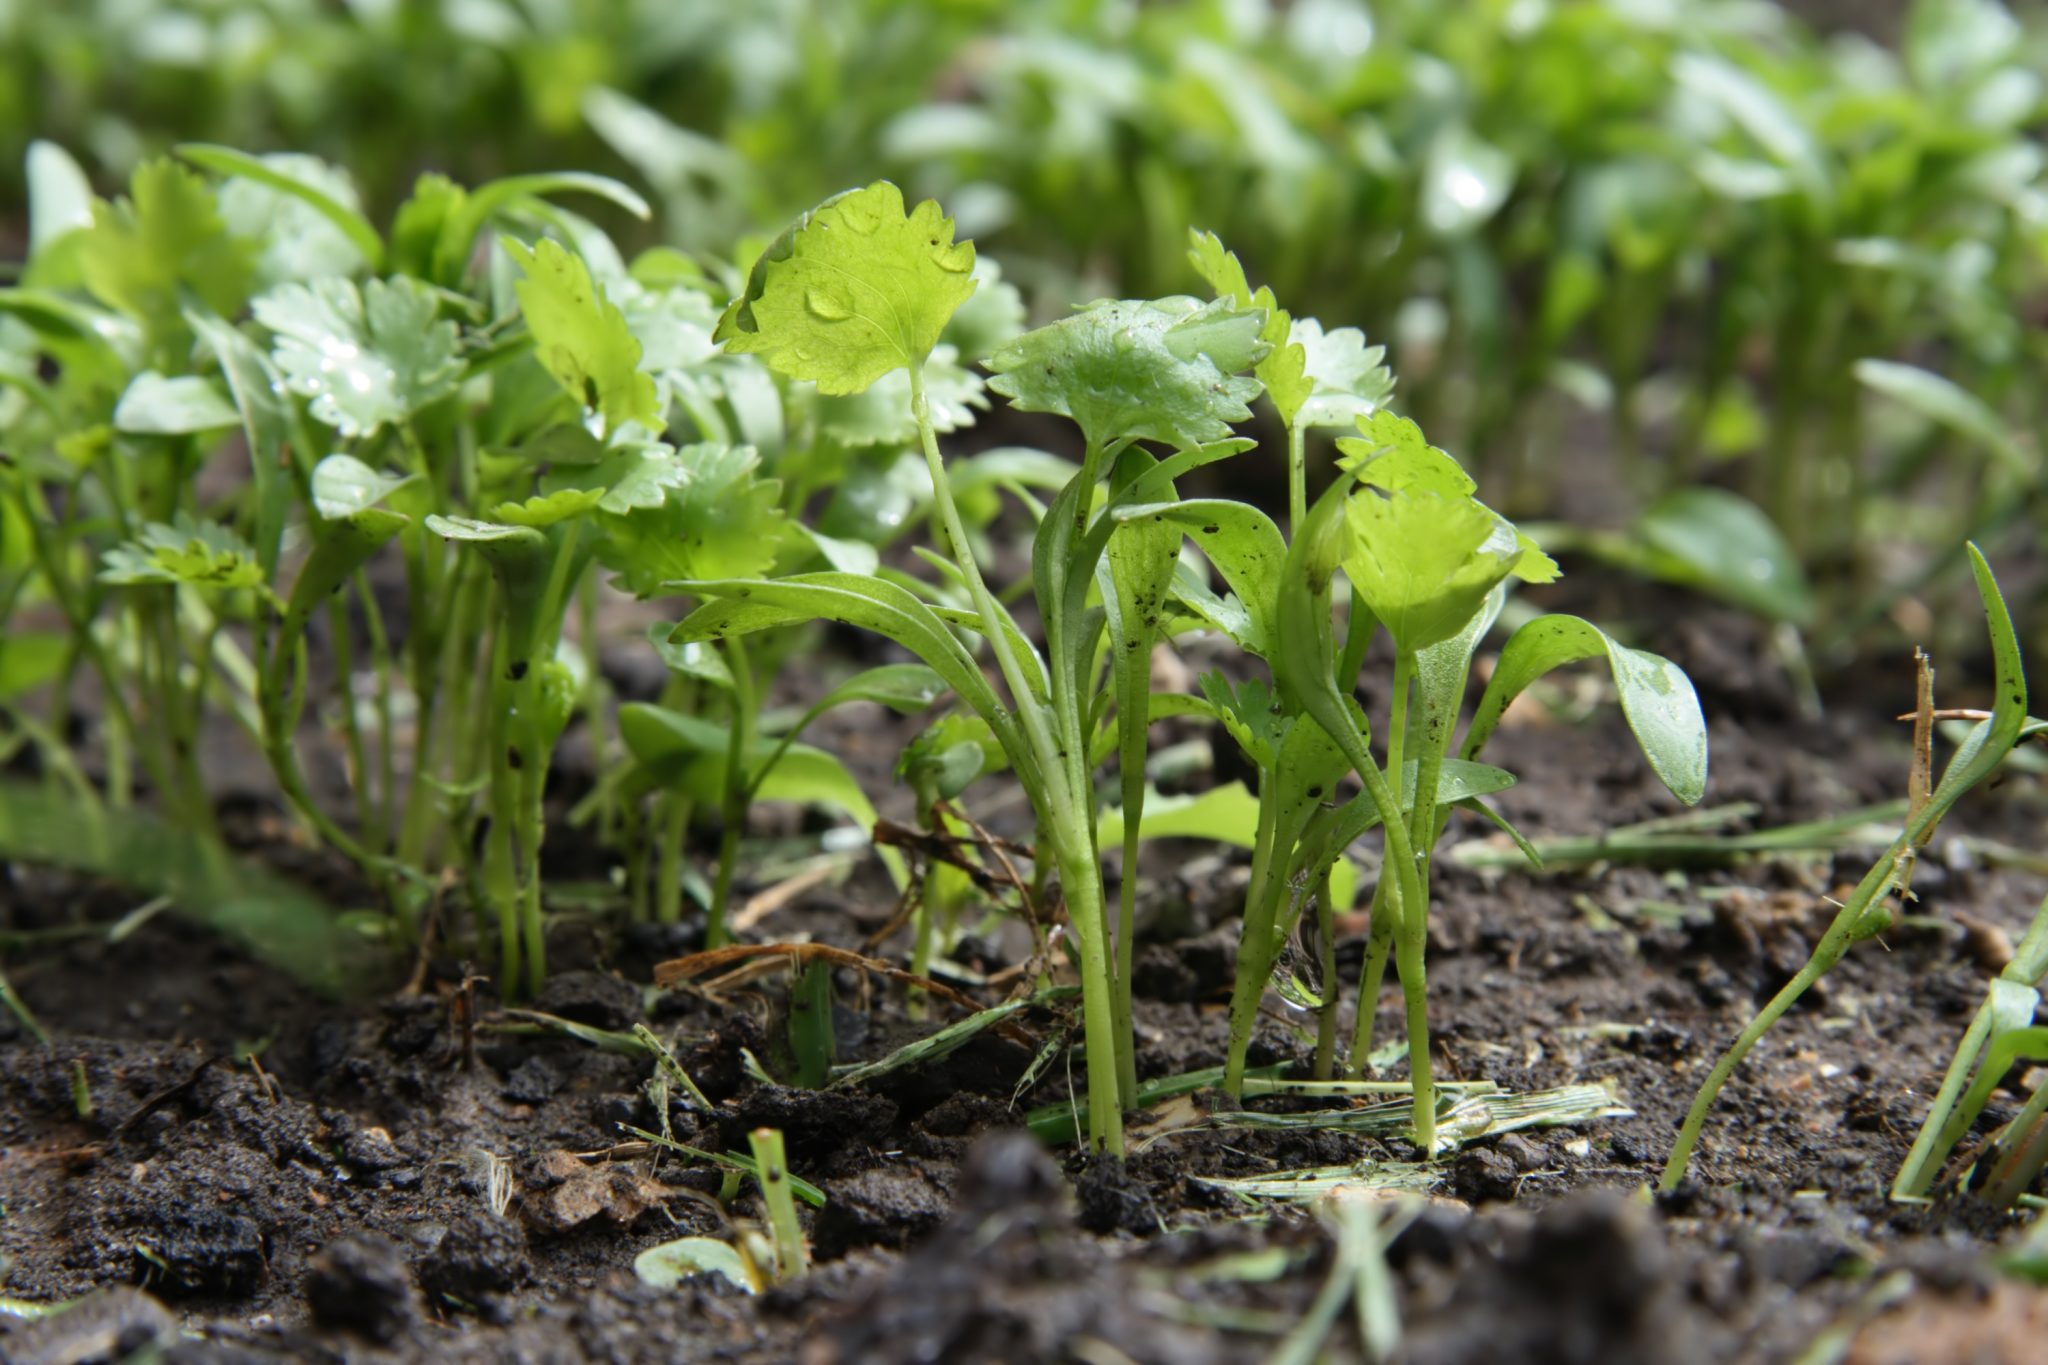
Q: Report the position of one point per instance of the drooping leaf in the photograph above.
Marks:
(461, 216)
(1720, 543)
(154, 405)
(200, 554)
(581, 337)
(1942, 400)
(366, 359)
(740, 607)
(852, 290)
(716, 521)
(1656, 697)
(1164, 370)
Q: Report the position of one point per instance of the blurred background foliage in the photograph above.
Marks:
(1620, 250)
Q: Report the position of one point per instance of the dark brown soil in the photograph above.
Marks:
(298, 1179)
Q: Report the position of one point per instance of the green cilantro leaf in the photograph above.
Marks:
(854, 289)
(544, 510)
(1347, 379)
(1392, 454)
(716, 521)
(581, 337)
(203, 554)
(1424, 562)
(1161, 370)
(1251, 713)
(365, 359)
(166, 237)
(1284, 370)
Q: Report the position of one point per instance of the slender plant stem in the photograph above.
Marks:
(772, 1174)
(1255, 947)
(351, 730)
(1297, 478)
(1326, 965)
(1848, 926)
(387, 755)
(674, 813)
(738, 786)
(1064, 805)
(1372, 975)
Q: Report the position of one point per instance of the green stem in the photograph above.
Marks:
(1255, 946)
(1850, 924)
(1379, 942)
(1062, 795)
(1081, 874)
(772, 1173)
(1397, 714)
(738, 787)
(352, 732)
(1297, 478)
(1326, 954)
(668, 884)
(1400, 857)
(387, 754)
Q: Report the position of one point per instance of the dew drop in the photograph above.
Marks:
(826, 306)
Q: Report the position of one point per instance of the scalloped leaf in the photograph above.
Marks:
(199, 554)
(1158, 369)
(715, 519)
(580, 335)
(366, 359)
(141, 253)
(852, 290)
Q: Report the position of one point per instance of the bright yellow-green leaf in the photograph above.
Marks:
(166, 237)
(715, 519)
(542, 511)
(1284, 370)
(1390, 453)
(1424, 561)
(855, 289)
(580, 335)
